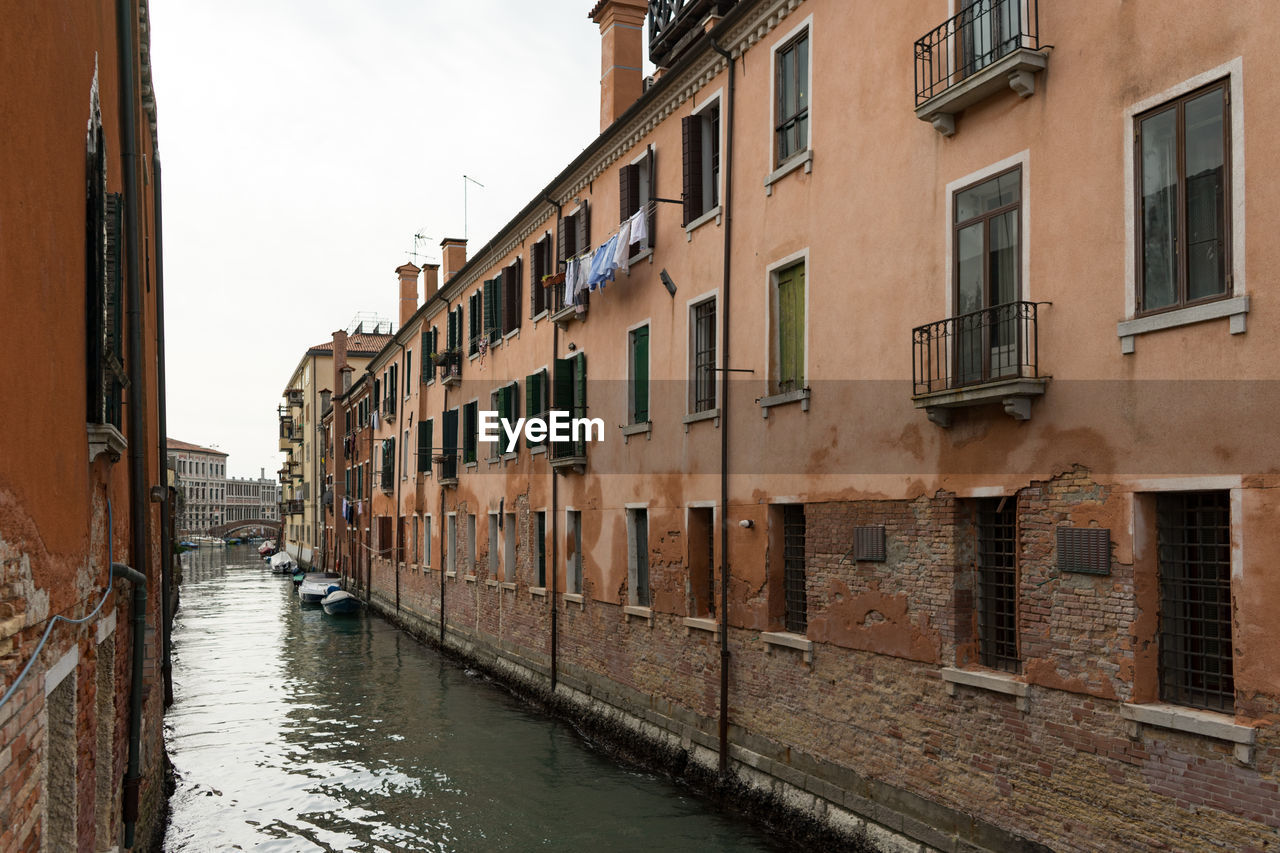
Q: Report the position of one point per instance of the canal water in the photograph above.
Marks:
(292, 730)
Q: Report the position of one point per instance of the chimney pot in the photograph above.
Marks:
(408, 291)
(454, 251)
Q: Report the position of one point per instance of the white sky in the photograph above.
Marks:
(304, 142)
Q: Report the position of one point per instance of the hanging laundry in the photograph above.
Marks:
(602, 265)
(580, 280)
(622, 251)
(639, 226)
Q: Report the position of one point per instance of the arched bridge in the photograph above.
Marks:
(248, 527)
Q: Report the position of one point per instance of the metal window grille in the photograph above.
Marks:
(998, 584)
(711, 564)
(793, 568)
(704, 356)
(542, 549)
(1194, 542)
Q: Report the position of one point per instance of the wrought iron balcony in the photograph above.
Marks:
(676, 24)
(989, 45)
(292, 507)
(992, 355)
(450, 364)
(389, 406)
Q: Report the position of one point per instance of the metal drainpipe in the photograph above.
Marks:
(395, 537)
(555, 483)
(126, 18)
(724, 421)
(166, 505)
(368, 548)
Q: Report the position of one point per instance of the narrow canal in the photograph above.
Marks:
(292, 730)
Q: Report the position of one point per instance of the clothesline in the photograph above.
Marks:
(593, 270)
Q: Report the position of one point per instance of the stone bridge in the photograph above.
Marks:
(268, 527)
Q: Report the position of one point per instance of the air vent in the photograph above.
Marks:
(1085, 550)
(868, 543)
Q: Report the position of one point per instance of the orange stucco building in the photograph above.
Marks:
(936, 493)
(85, 592)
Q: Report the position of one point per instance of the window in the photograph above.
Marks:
(384, 536)
(505, 402)
(493, 305)
(511, 279)
(470, 431)
(425, 449)
(405, 465)
(471, 544)
(475, 326)
(494, 556)
(988, 30)
(413, 543)
(702, 356)
(573, 237)
(701, 147)
(388, 463)
(509, 548)
(788, 320)
(702, 549)
(638, 368)
(1193, 535)
(449, 445)
(569, 394)
(408, 372)
(987, 271)
(791, 82)
(1183, 192)
(998, 584)
(540, 560)
(541, 265)
(637, 183)
(795, 595)
(451, 544)
(537, 400)
(573, 559)
(426, 540)
(430, 349)
(638, 556)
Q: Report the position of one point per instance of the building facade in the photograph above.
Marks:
(202, 473)
(936, 383)
(306, 398)
(85, 580)
(253, 498)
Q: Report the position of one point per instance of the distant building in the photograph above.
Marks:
(202, 478)
(252, 498)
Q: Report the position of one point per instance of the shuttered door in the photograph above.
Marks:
(791, 329)
(424, 446)
(562, 398)
(449, 444)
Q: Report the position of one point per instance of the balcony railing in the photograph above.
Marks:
(450, 364)
(448, 467)
(389, 406)
(999, 343)
(293, 507)
(968, 42)
(675, 24)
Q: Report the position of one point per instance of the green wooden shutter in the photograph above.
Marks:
(532, 396)
(449, 444)
(424, 446)
(791, 327)
(580, 395)
(426, 357)
(640, 375)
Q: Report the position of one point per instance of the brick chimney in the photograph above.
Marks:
(339, 358)
(430, 280)
(621, 55)
(408, 291)
(455, 256)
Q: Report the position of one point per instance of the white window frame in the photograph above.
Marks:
(770, 310)
(690, 342)
(1022, 160)
(773, 168)
(633, 554)
(714, 99)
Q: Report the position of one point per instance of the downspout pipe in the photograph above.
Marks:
(167, 603)
(139, 510)
(555, 483)
(724, 417)
(133, 775)
(396, 537)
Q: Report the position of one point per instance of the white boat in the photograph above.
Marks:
(339, 602)
(315, 586)
(282, 564)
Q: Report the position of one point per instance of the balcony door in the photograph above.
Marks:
(987, 271)
(988, 30)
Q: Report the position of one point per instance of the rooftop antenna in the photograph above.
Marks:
(465, 180)
(418, 239)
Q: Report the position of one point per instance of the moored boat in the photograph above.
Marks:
(315, 586)
(339, 602)
(282, 564)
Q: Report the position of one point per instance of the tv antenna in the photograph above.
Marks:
(465, 180)
(418, 239)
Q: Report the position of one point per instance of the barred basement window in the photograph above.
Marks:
(795, 596)
(703, 368)
(998, 584)
(1193, 534)
(540, 563)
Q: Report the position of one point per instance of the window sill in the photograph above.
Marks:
(713, 213)
(470, 464)
(1235, 308)
(642, 255)
(692, 623)
(801, 397)
(469, 578)
(105, 438)
(632, 610)
(996, 682)
(707, 415)
(1192, 721)
(575, 598)
(629, 430)
(537, 449)
(804, 158)
(508, 586)
(451, 574)
(514, 333)
(568, 314)
(507, 457)
(538, 591)
(491, 583)
(788, 640)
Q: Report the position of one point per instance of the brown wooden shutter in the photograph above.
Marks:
(535, 280)
(584, 228)
(511, 291)
(652, 214)
(691, 131)
(560, 255)
(628, 192)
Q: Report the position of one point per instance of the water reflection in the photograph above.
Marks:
(294, 730)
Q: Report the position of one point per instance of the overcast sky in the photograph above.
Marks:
(305, 142)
